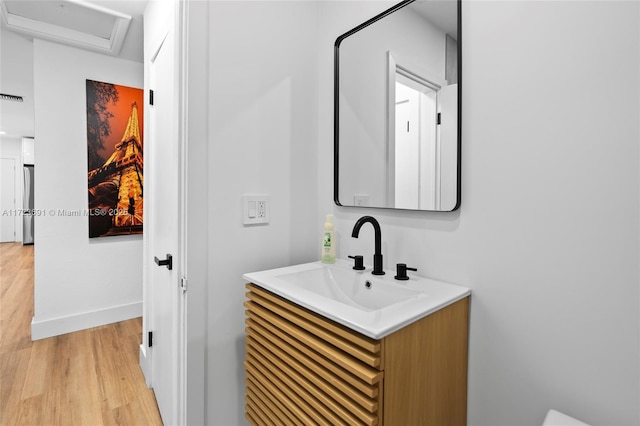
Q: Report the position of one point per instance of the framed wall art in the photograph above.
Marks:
(115, 159)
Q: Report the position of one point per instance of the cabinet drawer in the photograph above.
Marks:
(304, 369)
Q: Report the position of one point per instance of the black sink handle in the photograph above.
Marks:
(359, 262)
(401, 270)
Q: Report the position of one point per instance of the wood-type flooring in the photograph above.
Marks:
(91, 377)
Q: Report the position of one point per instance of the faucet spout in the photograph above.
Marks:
(377, 256)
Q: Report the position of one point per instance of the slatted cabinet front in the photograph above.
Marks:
(302, 369)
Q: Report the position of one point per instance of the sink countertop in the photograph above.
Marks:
(375, 323)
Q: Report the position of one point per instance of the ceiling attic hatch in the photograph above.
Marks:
(73, 22)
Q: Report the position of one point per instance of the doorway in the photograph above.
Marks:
(416, 144)
(414, 139)
(8, 207)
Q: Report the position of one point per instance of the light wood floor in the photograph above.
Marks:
(90, 377)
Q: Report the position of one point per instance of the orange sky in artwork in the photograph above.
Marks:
(121, 112)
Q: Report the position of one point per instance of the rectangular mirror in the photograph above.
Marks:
(397, 109)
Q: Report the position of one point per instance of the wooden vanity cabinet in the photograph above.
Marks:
(303, 369)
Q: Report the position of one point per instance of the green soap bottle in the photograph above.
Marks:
(328, 243)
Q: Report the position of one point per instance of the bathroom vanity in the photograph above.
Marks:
(314, 359)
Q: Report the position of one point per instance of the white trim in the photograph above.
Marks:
(145, 364)
(41, 329)
(196, 80)
(390, 167)
(181, 53)
(432, 83)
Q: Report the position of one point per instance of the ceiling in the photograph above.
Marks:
(112, 27)
(442, 14)
(109, 27)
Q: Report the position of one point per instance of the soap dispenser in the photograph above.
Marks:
(328, 243)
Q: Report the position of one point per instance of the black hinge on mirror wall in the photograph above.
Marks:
(439, 118)
(150, 339)
(150, 97)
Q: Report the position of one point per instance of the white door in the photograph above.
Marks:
(162, 229)
(8, 200)
(407, 143)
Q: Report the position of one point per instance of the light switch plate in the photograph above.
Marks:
(255, 209)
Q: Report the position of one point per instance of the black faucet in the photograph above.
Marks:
(377, 256)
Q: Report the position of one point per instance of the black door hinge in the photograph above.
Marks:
(439, 118)
(150, 339)
(150, 97)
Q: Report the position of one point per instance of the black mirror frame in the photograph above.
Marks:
(336, 106)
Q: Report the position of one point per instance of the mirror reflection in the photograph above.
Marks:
(397, 107)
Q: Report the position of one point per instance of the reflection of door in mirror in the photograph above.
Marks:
(415, 144)
(424, 145)
(414, 139)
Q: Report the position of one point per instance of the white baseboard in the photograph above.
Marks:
(145, 366)
(63, 325)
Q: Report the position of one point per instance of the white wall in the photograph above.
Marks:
(547, 236)
(16, 78)
(79, 282)
(262, 106)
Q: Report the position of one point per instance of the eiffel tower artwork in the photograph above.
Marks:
(116, 187)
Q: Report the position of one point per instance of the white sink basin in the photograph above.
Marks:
(359, 290)
(374, 305)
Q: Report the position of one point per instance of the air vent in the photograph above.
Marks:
(13, 98)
